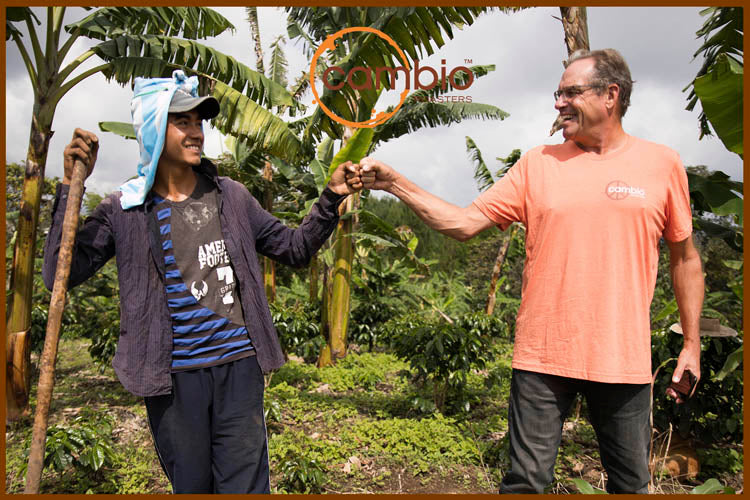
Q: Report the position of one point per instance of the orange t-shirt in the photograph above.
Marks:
(593, 224)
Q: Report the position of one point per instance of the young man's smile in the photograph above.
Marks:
(183, 142)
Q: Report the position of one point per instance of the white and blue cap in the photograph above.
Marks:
(153, 100)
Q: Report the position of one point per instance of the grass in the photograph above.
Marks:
(359, 427)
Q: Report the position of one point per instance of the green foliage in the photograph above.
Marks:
(585, 488)
(425, 443)
(354, 150)
(720, 74)
(731, 364)
(719, 460)
(720, 93)
(94, 311)
(714, 413)
(272, 412)
(137, 472)
(444, 353)
(413, 29)
(302, 475)
(363, 371)
(298, 328)
(478, 267)
(374, 424)
(712, 486)
(482, 175)
(378, 285)
(432, 245)
(123, 129)
(295, 374)
(191, 22)
(85, 445)
(713, 191)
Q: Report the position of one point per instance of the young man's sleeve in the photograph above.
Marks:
(296, 247)
(679, 224)
(504, 202)
(94, 245)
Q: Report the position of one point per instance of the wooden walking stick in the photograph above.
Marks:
(52, 336)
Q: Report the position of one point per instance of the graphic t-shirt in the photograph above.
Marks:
(207, 320)
(593, 224)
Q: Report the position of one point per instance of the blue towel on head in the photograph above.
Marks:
(149, 108)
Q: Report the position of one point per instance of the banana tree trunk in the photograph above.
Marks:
(339, 300)
(314, 278)
(324, 359)
(17, 343)
(499, 261)
(342, 278)
(269, 266)
(575, 27)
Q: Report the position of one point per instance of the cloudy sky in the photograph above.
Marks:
(527, 49)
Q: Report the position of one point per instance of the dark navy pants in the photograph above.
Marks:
(539, 404)
(210, 433)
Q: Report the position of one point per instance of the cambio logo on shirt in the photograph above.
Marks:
(619, 190)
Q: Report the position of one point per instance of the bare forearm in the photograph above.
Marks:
(440, 215)
(687, 280)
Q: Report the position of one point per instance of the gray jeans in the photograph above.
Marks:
(539, 404)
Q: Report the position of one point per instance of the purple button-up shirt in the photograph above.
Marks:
(144, 349)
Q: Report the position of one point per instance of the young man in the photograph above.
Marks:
(594, 209)
(196, 332)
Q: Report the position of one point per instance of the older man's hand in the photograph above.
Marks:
(377, 175)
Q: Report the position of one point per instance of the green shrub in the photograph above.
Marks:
(302, 475)
(359, 371)
(445, 353)
(716, 461)
(298, 327)
(297, 375)
(423, 444)
(85, 445)
(714, 413)
(378, 285)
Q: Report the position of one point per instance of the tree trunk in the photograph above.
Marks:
(576, 32)
(17, 345)
(325, 354)
(52, 336)
(575, 28)
(342, 276)
(341, 282)
(499, 261)
(314, 278)
(269, 266)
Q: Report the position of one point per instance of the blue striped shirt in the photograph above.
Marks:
(201, 336)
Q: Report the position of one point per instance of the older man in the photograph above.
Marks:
(595, 208)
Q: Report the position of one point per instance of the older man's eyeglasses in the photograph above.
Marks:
(573, 91)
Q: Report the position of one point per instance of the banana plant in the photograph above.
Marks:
(485, 180)
(718, 84)
(417, 31)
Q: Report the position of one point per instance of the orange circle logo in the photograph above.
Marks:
(329, 43)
